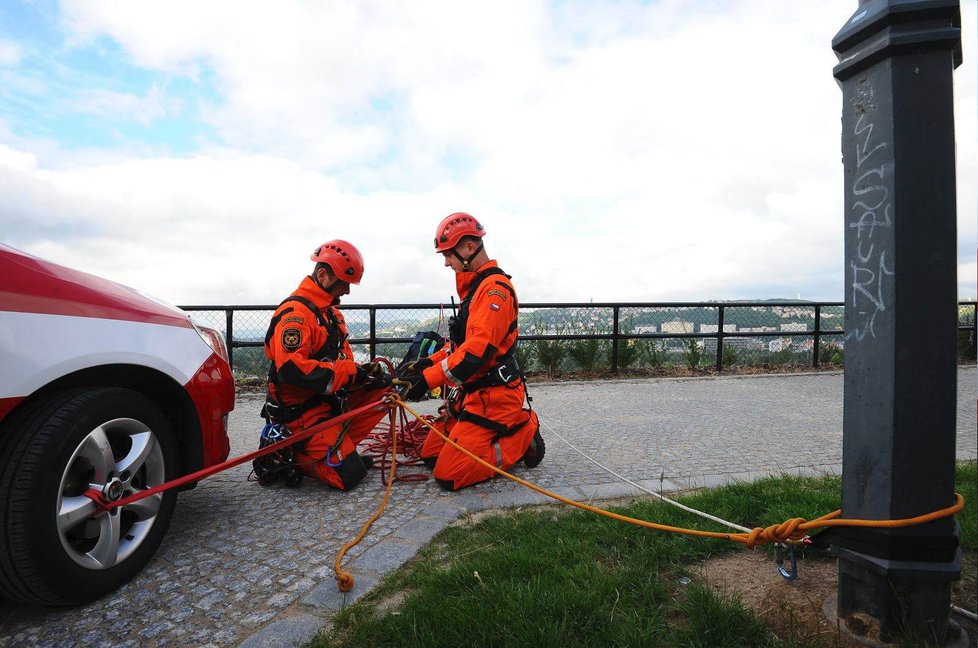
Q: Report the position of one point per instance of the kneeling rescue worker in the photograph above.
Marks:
(485, 411)
(313, 377)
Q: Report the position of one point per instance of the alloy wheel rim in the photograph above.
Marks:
(117, 458)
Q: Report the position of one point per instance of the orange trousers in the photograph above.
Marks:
(312, 457)
(453, 468)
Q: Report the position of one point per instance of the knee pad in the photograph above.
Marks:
(351, 470)
(447, 484)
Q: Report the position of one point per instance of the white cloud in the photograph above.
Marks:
(125, 105)
(671, 150)
(10, 53)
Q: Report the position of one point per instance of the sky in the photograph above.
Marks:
(614, 151)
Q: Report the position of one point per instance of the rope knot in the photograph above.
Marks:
(344, 581)
(787, 530)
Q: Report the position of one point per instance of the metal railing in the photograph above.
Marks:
(617, 324)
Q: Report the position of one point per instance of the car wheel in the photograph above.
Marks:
(56, 548)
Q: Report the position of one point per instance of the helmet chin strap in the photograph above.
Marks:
(328, 288)
(465, 262)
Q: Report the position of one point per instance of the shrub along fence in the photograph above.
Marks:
(598, 336)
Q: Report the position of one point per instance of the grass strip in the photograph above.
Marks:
(559, 577)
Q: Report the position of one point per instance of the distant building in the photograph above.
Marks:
(793, 327)
(738, 343)
(677, 326)
(712, 328)
(647, 328)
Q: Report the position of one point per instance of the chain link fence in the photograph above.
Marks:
(558, 338)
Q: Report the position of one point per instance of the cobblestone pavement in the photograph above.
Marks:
(252, 566)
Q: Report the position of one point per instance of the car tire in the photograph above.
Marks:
(55, 548)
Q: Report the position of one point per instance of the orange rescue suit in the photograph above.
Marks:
(312, 369)
(490, 420)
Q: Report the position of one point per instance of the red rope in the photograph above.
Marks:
(410, 438)
(380, 404)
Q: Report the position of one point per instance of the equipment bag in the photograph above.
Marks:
(423, 345)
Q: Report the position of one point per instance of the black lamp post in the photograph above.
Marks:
(896, 59)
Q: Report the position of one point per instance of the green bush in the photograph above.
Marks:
(524, 355)
(786, 357)
(550, 354)
(652, 353)
(830, 353)
(966, 346)
(250, 361)
(730, 356)
(692, 354)
(587, 354)
(628, 353)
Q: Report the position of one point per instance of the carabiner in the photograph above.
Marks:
(330, 463)
(779, 559)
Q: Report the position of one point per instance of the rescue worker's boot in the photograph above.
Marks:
(535, 453)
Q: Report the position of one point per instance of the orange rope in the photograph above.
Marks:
(790, 531)
(344, 579)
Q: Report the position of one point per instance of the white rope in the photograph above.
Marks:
(643, 488)
(954, 608)
(965, 613)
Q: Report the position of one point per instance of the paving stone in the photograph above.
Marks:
(287, 633)
(521, 497)
(385, 556)
(239, 558)
(609, 491)
(421, 529)
(329, 597)
(443, 507)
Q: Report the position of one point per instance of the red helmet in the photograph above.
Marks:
(453, 227)
(343, 258)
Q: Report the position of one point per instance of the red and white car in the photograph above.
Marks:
(103, 388)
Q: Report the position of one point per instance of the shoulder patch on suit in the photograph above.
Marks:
(494, 306)
(291, 339)
(493, 292)
(294, 318)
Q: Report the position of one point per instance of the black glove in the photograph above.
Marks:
(415, 367)
(377, 378)
(361, 377)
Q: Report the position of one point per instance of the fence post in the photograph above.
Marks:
(974, 324)
(614, 339)
(720, 339)
(816, 336)
(229, 335)
(373, 332)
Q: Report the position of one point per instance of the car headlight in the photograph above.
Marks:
(213, 339)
